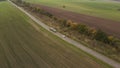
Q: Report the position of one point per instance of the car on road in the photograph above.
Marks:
(52, 29)
(63, 36)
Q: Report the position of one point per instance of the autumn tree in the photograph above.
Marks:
(74, 25)
(68, 23)
(112, 40)
(92, 32)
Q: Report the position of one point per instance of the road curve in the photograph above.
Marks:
(77, 44)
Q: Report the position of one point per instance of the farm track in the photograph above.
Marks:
(109, 26)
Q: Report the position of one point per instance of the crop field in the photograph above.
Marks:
(24, 44)
(99, 8)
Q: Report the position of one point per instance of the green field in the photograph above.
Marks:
(24, 44)
(99, 8)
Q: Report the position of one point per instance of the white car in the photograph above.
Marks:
(63, 36)
(52, 29)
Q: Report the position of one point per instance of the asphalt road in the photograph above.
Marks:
(77, 44)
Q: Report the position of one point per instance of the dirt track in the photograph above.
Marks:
(109, 26)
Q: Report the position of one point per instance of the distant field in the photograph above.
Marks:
(24, 44)
(99, 8)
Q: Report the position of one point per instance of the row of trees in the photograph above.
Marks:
(92, 33)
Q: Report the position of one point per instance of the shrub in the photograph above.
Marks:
(64, 6)
(54, 18)
(26, 4)
(19, 1)
(48, 14)
(68, 23)
(83, 29)
(91, 32)
(101, 36)
(112, 40)
(74, 25)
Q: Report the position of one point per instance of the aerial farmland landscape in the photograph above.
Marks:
(59, 33)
